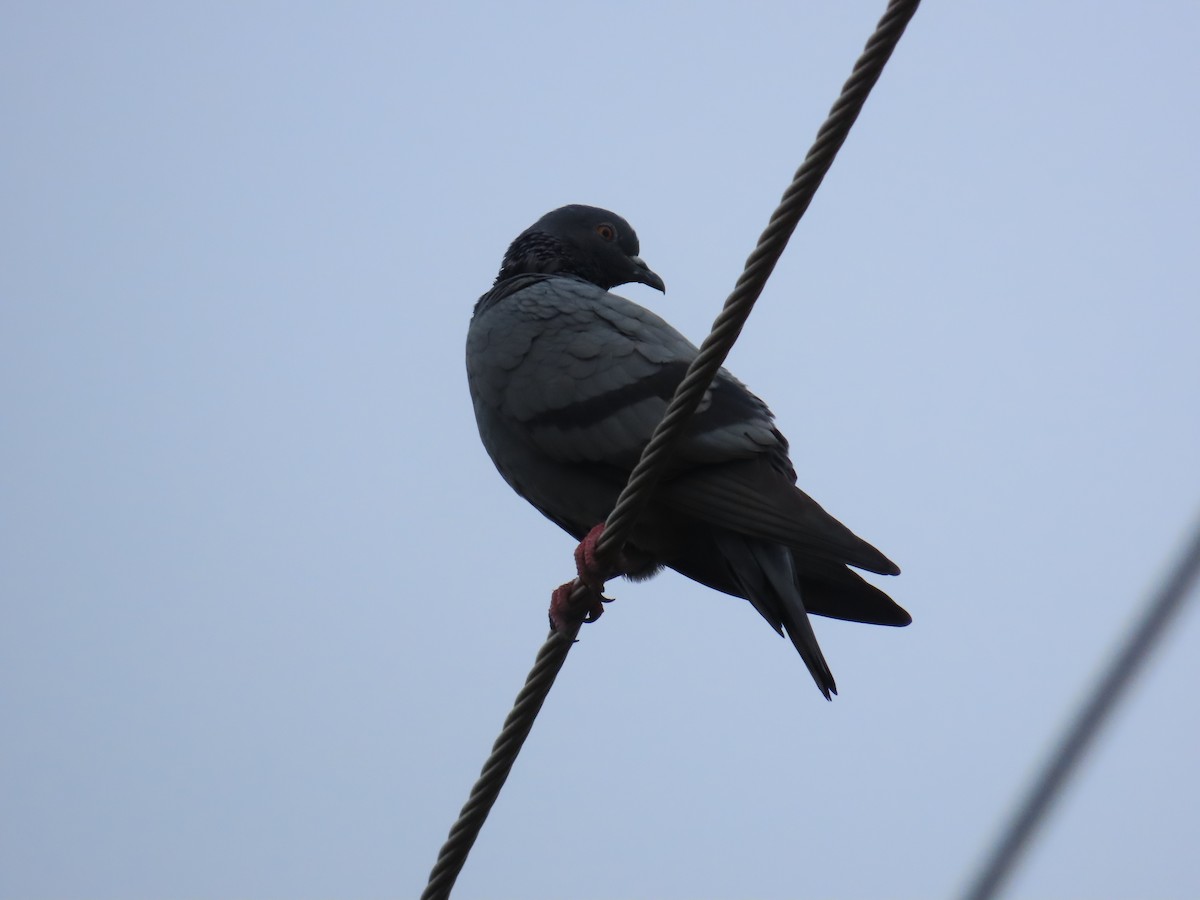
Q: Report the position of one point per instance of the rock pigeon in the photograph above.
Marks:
(568, 382)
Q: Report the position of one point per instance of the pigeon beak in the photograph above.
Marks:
(643, 275)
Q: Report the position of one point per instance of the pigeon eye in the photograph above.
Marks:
(606, 231)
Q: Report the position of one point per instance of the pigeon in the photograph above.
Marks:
(569, 381)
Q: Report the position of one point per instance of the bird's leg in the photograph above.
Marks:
(587, 565)
(564, 613)
(591, 577)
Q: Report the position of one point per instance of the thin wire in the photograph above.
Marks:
(655, 457)
(1162, 609)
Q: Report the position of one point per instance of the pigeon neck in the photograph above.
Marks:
(542, 254)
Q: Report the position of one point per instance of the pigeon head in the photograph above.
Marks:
(594, 244)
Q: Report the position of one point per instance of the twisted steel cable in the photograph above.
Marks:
(759, 266)
(656, 456)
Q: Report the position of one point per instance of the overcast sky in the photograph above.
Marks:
(266, 602)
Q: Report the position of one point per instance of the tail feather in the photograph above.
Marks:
(831, 589)
(766, 575)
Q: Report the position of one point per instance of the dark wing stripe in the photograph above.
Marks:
(728, 404)
(594, 410)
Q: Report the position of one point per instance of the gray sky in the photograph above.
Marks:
(266, 602)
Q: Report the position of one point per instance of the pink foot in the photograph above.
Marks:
(590, 571)
(592, 575)
(564, 613)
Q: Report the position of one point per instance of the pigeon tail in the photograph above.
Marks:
(767, 578)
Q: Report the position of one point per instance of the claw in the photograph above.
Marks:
(564, 613)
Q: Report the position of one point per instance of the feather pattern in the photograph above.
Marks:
(568, 382)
